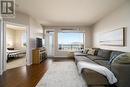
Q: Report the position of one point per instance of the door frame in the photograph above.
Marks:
(51, 42)
(1, 46)
(47, 41)
(4, 43)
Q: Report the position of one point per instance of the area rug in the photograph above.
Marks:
(62, 74)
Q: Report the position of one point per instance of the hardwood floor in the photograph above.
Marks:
(26, 76)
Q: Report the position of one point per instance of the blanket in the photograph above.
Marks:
(98, 68)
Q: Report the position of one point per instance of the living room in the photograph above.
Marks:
(84, 44)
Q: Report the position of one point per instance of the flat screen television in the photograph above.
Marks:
(39, 42)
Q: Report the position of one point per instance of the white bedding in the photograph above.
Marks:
(14, 51)
(98, 68)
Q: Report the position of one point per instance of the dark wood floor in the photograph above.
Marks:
(26, 76)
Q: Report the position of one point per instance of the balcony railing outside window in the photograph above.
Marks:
(71, 47)
(71, 41)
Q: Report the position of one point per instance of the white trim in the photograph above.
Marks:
(4, 46)
(28, 45)
(27, 39)
(1, 46)
(47, 42)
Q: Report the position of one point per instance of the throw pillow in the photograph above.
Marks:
(96, 51)
(91, 51)
(122, 59)
(85, 51)
(114, 54)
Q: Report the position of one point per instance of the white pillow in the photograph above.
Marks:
(91, 51)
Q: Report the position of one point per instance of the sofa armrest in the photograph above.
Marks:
(122, 73)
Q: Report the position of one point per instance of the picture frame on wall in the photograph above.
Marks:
(113, 38)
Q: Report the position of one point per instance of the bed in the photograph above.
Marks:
(15, 54)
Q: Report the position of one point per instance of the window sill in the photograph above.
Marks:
(67, 51)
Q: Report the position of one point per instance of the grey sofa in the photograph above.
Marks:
(104, 57)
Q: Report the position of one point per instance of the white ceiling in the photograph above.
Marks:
(68, 12)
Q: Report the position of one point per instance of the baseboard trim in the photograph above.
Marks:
(60, 57)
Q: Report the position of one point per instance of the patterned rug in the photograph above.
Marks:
(62, 74)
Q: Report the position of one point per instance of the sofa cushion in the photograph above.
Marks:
(104, 53)
(122, 59)
(83, 58)
(113, 55)
(80, 58)
(95, 57)
(89, 77)
(103, 63)
(79, 54)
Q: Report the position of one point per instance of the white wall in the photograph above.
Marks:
(10, 38)
(20, 18)
(14, 38)
(19, 34)
(116, 19)
(88, 39)
(35, 31)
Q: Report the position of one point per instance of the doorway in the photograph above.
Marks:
(15, 45)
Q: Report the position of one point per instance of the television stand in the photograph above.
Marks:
(38, 55)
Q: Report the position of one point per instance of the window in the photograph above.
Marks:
(69, 41)
(24, 39)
